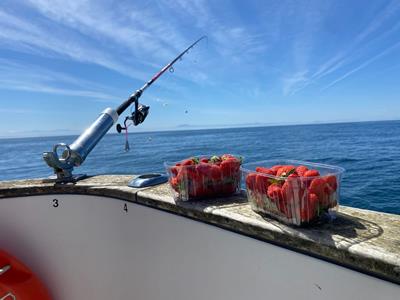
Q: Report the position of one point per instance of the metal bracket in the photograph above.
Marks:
(62, 167)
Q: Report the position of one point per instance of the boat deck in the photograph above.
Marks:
(362, 240)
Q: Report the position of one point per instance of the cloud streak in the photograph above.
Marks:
(359, 49)
(27, 77)
(362, 66)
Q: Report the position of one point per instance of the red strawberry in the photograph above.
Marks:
(301, 170)
(286, 199)
(251, 181)
(284, 170)
(309, 208)
(216, 173)
(230, 167)
(195, 185)
(274, 193)
(262, 183)
(275, 168)
(186, 172)
(204, 160)
(187, 162)
(311, 173)
(265, 170)
(331, 180)
(292, 190)
(174, 183)
(319, 187)
(227, 156)
(204, 169)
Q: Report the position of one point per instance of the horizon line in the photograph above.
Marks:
(204, 127)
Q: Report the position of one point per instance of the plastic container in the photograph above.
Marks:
(205, 180)
(292, 195)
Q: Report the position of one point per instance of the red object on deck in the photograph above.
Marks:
(17, 281)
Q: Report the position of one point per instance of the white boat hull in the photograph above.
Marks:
(90, 247)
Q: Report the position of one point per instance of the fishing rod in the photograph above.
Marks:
(75, 154)
(141, 110)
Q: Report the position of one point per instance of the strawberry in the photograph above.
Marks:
(204, 169)
(188, 162)
(186, 172)
(308, 177)
(311, 173)
(204, 160)
(265, 170)
(261, 184)
(309, 208)
(274, 192)
(320, 188)
(317, 186)
(276, 168)
(292, 190)
(227, 156)
(284, 170)
(195, 187)
(283, 197)
(251, 181)
(300, 170)
(216, 174)
(230, 167)
(174, 183)
(331, 180)
(292, 193)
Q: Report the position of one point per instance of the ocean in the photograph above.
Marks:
(369, 151)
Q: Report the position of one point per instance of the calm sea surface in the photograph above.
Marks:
(370, 153)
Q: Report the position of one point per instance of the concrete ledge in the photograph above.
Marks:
(363, 240)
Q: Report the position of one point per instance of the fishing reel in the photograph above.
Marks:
(137, 117)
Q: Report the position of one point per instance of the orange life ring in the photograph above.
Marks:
(18, 282)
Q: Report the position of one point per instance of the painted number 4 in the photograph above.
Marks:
(125, 207)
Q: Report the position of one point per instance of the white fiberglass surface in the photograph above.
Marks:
(89, 247)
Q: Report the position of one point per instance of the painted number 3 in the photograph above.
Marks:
(55, 203)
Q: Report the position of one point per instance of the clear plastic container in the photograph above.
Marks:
(205, 179)
(291, 194)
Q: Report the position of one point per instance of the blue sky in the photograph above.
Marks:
(265, 62)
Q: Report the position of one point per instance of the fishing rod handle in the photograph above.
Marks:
(85, 143)
(134, 97)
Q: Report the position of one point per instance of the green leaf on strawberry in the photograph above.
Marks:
(196, 160)
(215, 159)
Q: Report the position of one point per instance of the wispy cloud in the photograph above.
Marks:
(27, 77)
(294, 82)
(358, 50)
(362, 66)
(129, 38)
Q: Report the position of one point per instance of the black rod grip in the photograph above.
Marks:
(128, 102)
